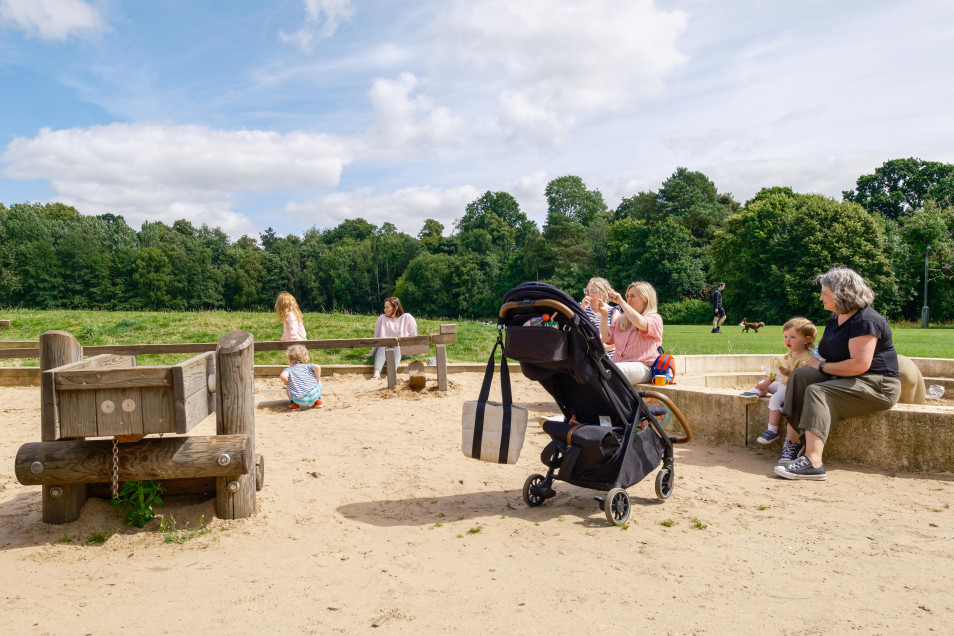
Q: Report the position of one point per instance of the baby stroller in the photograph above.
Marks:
(609, 437)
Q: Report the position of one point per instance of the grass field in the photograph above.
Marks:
(474, 338)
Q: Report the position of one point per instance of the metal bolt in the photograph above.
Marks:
(233, 486)
(56, 491)
(224, 459)
(36, 467)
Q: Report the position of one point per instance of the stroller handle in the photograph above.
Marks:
(676, 412)
(542, 302)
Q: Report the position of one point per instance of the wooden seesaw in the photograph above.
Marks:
(108, 396)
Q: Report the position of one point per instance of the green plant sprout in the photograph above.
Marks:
(136, 499)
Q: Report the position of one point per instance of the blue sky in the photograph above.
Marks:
(298, 113)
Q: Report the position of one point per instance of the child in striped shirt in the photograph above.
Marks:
(302, 380)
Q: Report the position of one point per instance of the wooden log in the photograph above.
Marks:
(90, 461)
(62, 504)
(441, 366)
(235, 415)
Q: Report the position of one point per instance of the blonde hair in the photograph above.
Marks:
(297, 354)
(803, 327)
(286, 303)
(602, 285)
(648, 293)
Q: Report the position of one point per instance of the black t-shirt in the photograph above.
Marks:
(865, 322)
(716, 300)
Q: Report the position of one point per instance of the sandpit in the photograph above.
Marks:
(371, 517)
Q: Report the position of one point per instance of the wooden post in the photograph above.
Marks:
(56, 349)
(441, 367)
(391, 363)
(235, 415)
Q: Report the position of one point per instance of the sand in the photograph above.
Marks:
(371, 519)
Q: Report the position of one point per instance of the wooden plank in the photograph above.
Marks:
(77, 412)
(158, 410)
(415, 350)
(99, 379)
(441, 367)
(20, 344)
(191, 376)
(90, 461)
(192, 410)
(102, 361)
(446, 336)
(118, 412)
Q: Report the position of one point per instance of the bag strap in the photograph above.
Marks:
(485, 395)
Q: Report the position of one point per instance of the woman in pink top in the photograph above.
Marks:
(637, 334)
(393, 323)
(287, 309)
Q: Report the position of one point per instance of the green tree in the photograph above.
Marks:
(153, 276)
(901, 186)
(567, 197)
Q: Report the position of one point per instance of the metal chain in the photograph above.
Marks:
(115, 468)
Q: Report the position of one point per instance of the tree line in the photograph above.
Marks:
(682, 238)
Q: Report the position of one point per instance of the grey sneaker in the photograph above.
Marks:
(790, 452)
(802, 468)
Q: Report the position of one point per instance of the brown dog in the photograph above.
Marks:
(754, 326)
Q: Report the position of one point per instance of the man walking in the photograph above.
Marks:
(717, 310)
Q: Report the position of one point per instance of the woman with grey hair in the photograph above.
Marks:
(856, 374)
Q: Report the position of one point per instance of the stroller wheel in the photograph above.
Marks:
(531, 491)
(665, 480)
(616, 506)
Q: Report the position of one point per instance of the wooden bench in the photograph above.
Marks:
(413, 345)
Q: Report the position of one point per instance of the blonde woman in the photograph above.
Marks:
(637, 333)
(288, 312)
(597, 291)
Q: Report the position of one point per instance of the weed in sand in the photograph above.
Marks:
(65, 539)
(667, 522)
(473, 531)
(97, 538)
(436, 525)
(698, 525)
(170, 534)
(763, 507)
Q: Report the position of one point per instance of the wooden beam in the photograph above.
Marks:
(235, 415)
(89, 461)
(136, 377)
(57, 348)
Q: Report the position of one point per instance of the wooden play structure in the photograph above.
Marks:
(108, 396)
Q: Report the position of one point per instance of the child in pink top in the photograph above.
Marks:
(287, 309)
(637, 334)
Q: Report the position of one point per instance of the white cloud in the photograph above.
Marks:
(406, 208)
(166, 172)
(564, 61)
(404, 120)
(50, 19)
(323, 17)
